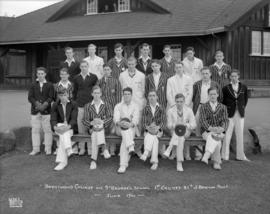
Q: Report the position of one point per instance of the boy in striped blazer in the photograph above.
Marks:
(111, 94)
(200, 96)
(157, 81)
(167, 62)
(144, 61)
(97, 117)
(153, 122)
(220, 70)
(214, 122)
(118, 63)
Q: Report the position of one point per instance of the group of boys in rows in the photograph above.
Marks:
(145, 97)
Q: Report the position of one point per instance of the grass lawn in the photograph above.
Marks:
(240, 187)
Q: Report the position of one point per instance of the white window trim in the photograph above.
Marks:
(127, 9)
(261, 54)
(88, 6)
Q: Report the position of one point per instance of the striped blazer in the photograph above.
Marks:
(159, 117)
(223, 78)
(140, 66)
(105, 114)
(218, 118)
(161, 90)
(111, 91)
(117, 68)
(167, 67)
(196, 99)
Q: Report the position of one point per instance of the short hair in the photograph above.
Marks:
(180, 95)
(62, 92)
(151, 91)
(132, 58)
(218, 52)
(190, 49)
(106, 65)
(177, 62)
(166, 46)
(68, 48)
(64, 70)
(92, 45)
(235, 71)
(83, 61)
(156, 61)
(145, 45)
(95, 87)
(42, 69)
(212, 89)
(205, 68)
(127, 89)
(118, 45)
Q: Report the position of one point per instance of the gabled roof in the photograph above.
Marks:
(184, 18)
(4, 22)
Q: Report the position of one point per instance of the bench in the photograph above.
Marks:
(192, 141)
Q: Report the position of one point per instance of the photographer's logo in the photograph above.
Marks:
(15, 202)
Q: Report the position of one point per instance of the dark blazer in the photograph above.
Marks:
(168, 68)
(140, 66)
(105, 114)
(217, 118)
(46, 95)
(83, 88)
(161, 90)
(233, 102)
(196, 99)
(57, 114)
(73, 69)
(159, 117)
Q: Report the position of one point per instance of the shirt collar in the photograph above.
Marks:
(93, 103)
(66, 103)
(72, 60)
(148, 57)
(61, 83)
(88, 74)
(41, 82)
(219, 66)
(235, 83)
(157, 104)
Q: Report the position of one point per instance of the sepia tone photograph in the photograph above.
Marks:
(134, 106)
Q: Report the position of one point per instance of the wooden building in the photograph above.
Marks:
(241, 28)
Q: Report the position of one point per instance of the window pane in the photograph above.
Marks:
(176, 51)
(266, 43)
(91, 6)
(256, 43)
(123, 5)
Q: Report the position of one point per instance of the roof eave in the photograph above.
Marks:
(116, 36)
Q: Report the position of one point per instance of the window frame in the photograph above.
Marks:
(127, 9)
(88, 6)
(262, 41)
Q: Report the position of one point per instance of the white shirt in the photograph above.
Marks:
(69, 62)
(95, 65)
(204, 92)
(83, 76)
(41, 84)
(213, 105)
(193, 68)
(137, 83)
(235, 88)
(97, 107)
(168, 59)
(153, 108)
(156, 79)
(176, 85)
(122, 110)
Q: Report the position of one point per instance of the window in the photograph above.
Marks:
(256, 43)
(16, 63)
(103, 52)
(266, 43)
(92, 6)
(123, 5)
(260, 43)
